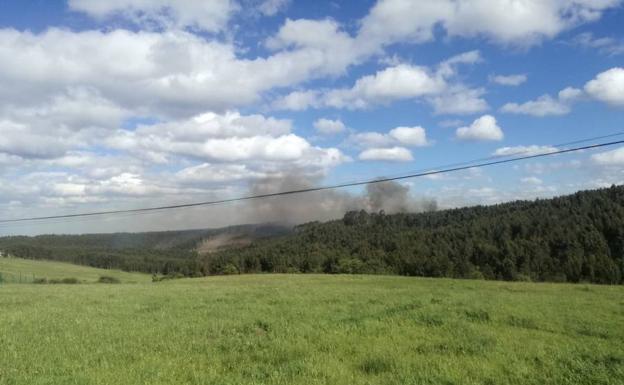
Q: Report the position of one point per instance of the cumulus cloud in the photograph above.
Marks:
(605, 45)
(297, 101)
(225, 138)
(410, 136)
(546, 105)
(329, 127)
(459, 100)
(523, 22)
(391, 154)
(524, 150)
(610, 158)
(209, 16)
(169, 74)
(399, 136)
(484, 128)
(272, 7)
(508, 80)
(399, 82)
(393, 83)
(608, 87)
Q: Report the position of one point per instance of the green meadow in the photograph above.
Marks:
(312, 329)
(17, 270)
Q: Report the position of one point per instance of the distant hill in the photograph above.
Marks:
(152, 252)
(574, 238)
(18, 270)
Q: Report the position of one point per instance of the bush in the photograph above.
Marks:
(107, 279)
(40, 281)
(65, 281)
(229, 269)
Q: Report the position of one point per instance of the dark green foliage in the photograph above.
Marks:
(107, 279)
(167, 253)
(576, 238)
(64, 281)
(41, 281)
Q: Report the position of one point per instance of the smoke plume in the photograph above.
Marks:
(391, 197)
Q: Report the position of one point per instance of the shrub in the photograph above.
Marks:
(41, 281)
(107, 279)
(66, 281)
(229, 269)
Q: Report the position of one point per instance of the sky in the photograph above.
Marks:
(133, 103)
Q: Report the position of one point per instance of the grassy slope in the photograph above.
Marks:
(293, 329)
(11, 268)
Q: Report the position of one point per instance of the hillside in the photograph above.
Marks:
(17, 270)
(311, 329)
(576, 238)
(152, 252)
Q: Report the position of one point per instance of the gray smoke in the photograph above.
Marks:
(390, 197)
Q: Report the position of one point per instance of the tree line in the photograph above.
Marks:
(575, 238)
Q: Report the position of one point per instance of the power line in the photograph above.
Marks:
(313, 189)
(515, 154)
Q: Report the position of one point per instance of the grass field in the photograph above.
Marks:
(306, 329)
(26, 270)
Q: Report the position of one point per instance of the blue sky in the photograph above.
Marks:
(132, 103)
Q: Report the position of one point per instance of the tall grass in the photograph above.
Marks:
(306, 329)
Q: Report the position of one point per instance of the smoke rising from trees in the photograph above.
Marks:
(390, 197)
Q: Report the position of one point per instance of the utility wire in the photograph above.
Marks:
(499, 157)
(320, 188)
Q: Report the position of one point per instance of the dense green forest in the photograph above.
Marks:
(165, 252)
(576, 238)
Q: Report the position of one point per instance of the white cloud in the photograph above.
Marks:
(329, 127)
(272, 7)
(219, 173)
(297, 101)
(546, 105)
(371, 139)
(397, 137)
(509, 80)
(532, 180)
(483, 128)
(410, 136)
(166, 74)
(606, 45)
(392, 154)
(399, 82)
(543, 106)
(524, 150)
(610, 158)
(226, 138)
(448, 67)
(459, 101)
(321, 40)
(210, 15)
(519, 22)
(393, 83)
(608, 87)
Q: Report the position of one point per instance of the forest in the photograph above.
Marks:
(574, 238)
